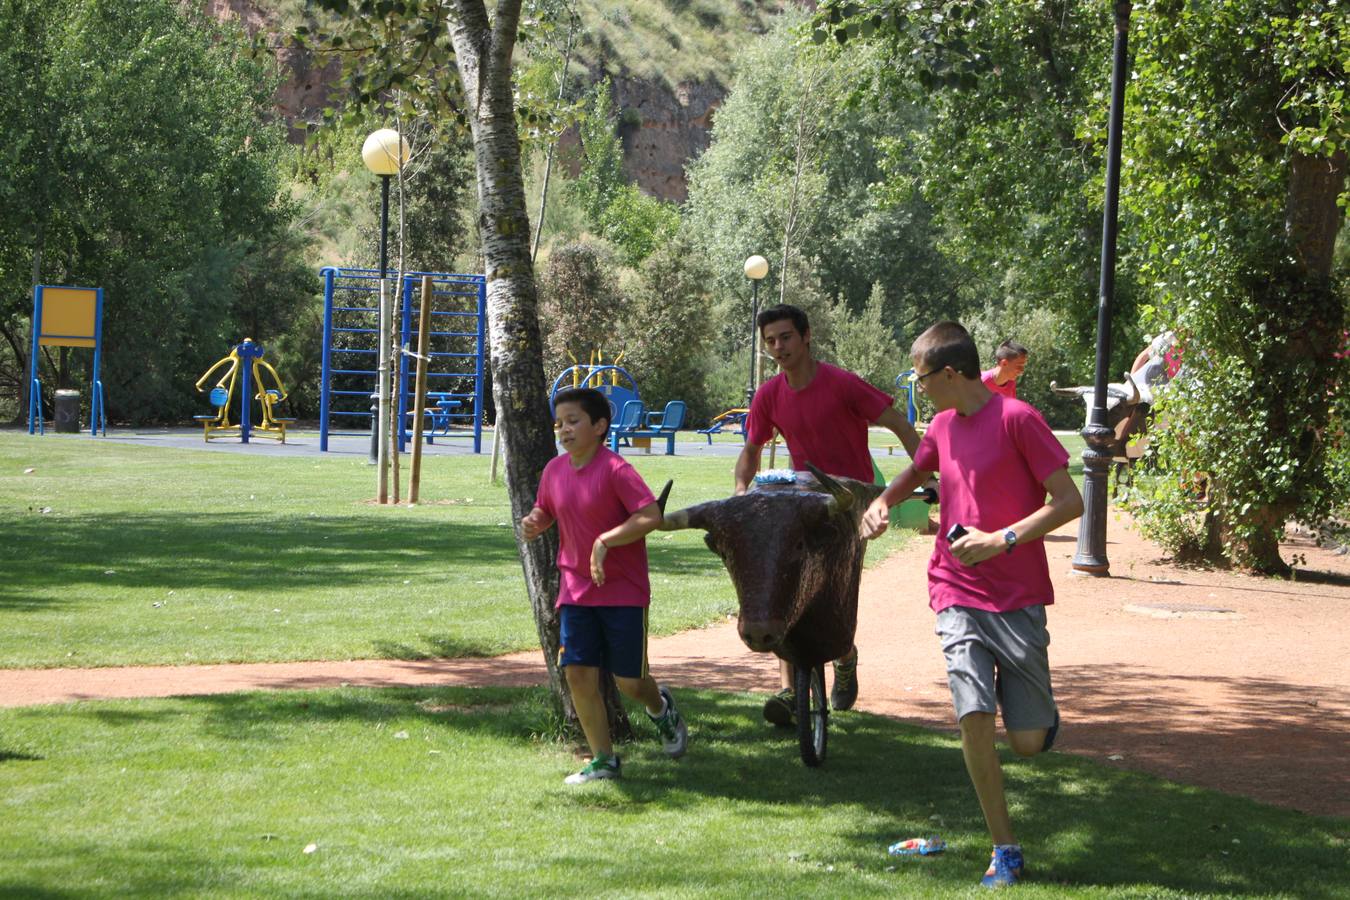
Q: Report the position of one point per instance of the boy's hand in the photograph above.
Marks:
(875, 520)
(535, 524)
(976, 546)
(598, 551)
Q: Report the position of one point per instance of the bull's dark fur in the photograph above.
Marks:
(795, 564)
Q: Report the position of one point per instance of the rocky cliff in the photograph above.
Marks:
(662, 128)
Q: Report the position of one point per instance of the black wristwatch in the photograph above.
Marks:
(1010, 538)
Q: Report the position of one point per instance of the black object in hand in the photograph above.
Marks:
(956, 531)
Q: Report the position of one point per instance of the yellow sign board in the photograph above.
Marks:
(69, 317)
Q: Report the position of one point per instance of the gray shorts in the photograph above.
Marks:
(999, 660)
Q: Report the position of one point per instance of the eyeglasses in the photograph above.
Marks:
(916, 378)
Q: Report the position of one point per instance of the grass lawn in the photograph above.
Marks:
(452, 792)
(118, 554)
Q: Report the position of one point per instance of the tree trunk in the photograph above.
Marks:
(1313, 323)
(483, 51)
(1312, 218)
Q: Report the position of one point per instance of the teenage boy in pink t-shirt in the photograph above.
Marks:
(988, 580)
(823, 412)
(604, 512)
(1010, 361)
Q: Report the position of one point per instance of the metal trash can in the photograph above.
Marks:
(67, 412)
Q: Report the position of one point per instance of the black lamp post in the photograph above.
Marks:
(384, 153)
(1090, 559)
(756, 267)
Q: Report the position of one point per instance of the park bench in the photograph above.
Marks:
(633, 426)
(720, 423)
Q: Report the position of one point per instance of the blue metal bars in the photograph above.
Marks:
(456, 347)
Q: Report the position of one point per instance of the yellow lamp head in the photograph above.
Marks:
(385, 151)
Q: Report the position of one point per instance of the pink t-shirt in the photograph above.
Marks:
(585, 503)
(824, 423)
(992, 467)
(1007, 389)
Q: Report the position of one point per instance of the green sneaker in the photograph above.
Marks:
(845, 691)
(602, 768)
(674, 733)
(781, 708)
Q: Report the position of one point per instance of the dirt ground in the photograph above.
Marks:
(1208, 678)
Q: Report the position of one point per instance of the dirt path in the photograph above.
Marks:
(1214, 679)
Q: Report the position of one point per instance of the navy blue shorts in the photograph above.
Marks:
(607, 637)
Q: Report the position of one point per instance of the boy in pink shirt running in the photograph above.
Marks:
(604, 512)
(1010, 361)
(988, 579)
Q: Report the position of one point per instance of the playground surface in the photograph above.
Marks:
(305, 442)
(1209, 678)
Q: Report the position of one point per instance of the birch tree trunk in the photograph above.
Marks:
(483, 52)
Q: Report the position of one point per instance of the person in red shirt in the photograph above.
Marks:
(604, 512)
(988, 579)
(1010, 361)
(823, 412)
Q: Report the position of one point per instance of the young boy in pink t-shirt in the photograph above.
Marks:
(1010, 361)
(988, 579)
(604, 512)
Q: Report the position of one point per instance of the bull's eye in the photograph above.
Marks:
(712, 545)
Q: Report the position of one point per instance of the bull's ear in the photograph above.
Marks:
(665, 495)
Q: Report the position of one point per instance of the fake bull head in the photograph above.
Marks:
(1126, 414)
(795, 558)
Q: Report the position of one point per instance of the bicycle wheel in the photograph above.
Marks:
(813, 714)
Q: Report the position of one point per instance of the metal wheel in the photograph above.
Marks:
(813, 713)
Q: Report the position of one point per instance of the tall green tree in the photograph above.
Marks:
(1233, 196)
(793, 174)
(1237, 150)
(150, 168)
(454, 61)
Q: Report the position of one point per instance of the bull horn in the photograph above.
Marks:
(841, 498)
(689, 517)
(1066, 392)
(1134, 388)
(665, 495)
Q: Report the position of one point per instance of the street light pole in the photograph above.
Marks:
(1090, 558)
(384, 153)
(377, 409)
(756, 267)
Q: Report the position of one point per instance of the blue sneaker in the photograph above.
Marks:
(1005, 867)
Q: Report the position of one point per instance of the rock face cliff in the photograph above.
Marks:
(662, 129)
(305, 88)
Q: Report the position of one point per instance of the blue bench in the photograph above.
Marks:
(633, 423)
(440, 408)
(720, 423)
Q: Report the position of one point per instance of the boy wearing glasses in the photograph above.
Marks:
(988, 579)
(823, 412)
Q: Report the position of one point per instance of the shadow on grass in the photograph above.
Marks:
(270, 554)
(1085, 825)
(11, 756)
(437, 647)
